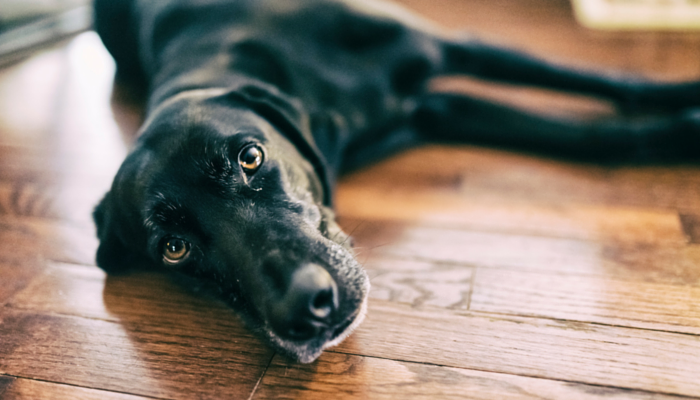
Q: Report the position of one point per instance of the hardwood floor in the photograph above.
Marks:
(496, 275)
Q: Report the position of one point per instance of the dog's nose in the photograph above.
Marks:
(308, 304)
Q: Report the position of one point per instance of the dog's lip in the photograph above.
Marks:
(340, 329)
(306, 333)
(321, 330)
(344, 330)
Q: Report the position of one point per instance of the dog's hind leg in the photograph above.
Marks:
(490, 62)
(451, 117)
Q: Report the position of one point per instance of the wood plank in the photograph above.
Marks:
(619, 224)
(342, 376)
(16, 276)
(162, 337)
(482, 175)
(420, 283)
(588, 299)
(82, 291)
(598, 298)
(175, 358)
(28, 243)
(560, 350)
(71, 199)
(39, 239)
(668, 187)
(20, 163)
(625, 261)
(38, 390)
(481, 172)
(139, 297)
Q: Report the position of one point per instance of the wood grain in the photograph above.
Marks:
(544, 348)
(38, 390)
(420, 283)
(478, 175)
(479, 172)
(46, 164)
(132, 299)
(619, 224)
(171, 359)
(342, 376)
(647, 305)
(667, 187)
(70, 200)
(162, 340)
(39, 239)
(27, 244)
(624, 261)
(16, 276)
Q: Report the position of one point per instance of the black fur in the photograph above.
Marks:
(318, 86)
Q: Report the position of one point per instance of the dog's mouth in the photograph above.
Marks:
(339, 330)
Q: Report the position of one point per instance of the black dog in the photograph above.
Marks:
(256, 105)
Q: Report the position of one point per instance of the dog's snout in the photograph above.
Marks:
(308, 304)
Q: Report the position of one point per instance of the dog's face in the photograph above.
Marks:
(215, 192)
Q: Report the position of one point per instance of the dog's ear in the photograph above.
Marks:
(286, 115)
(113, 255)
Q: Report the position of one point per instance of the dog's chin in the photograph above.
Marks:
(309, 350)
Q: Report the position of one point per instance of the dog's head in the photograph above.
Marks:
(226, 188)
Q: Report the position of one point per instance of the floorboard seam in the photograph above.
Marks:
(57, 314)
(255, 388)
(471, 264)
(680, 396)
(495, 230)
(460, 313)
(66, 315)
(85, 387)
(485, 313)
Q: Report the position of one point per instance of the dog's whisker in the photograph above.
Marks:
(349, 235)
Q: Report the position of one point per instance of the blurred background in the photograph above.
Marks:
(27, 24)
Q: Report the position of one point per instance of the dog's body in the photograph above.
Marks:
(256, 105)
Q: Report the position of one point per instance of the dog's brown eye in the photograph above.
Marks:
(251, 158)
(175, 250)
